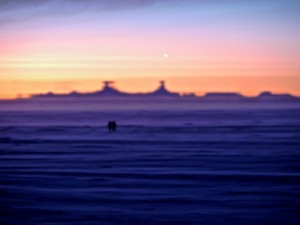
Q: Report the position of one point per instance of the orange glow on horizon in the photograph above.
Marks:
(248, 86)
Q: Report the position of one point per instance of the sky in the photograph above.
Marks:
(195, 45)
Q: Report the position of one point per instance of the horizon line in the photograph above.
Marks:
(107, 84)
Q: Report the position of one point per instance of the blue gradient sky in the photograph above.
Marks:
(76, 42)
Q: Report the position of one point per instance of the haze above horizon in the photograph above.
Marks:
(197, 46)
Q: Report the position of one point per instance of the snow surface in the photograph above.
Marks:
(214, 164)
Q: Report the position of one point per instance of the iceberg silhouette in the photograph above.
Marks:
(109, 90)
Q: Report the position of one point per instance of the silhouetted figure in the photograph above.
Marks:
(112, 125)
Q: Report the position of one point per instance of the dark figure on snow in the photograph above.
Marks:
(112, 125)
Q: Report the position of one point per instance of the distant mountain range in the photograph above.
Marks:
(110, 91)
(161, 92)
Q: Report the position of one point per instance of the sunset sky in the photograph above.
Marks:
(195, 45)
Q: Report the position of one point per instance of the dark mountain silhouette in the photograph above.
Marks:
(223, 96)
(162, 91)
(267, 95)
(109, 91)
